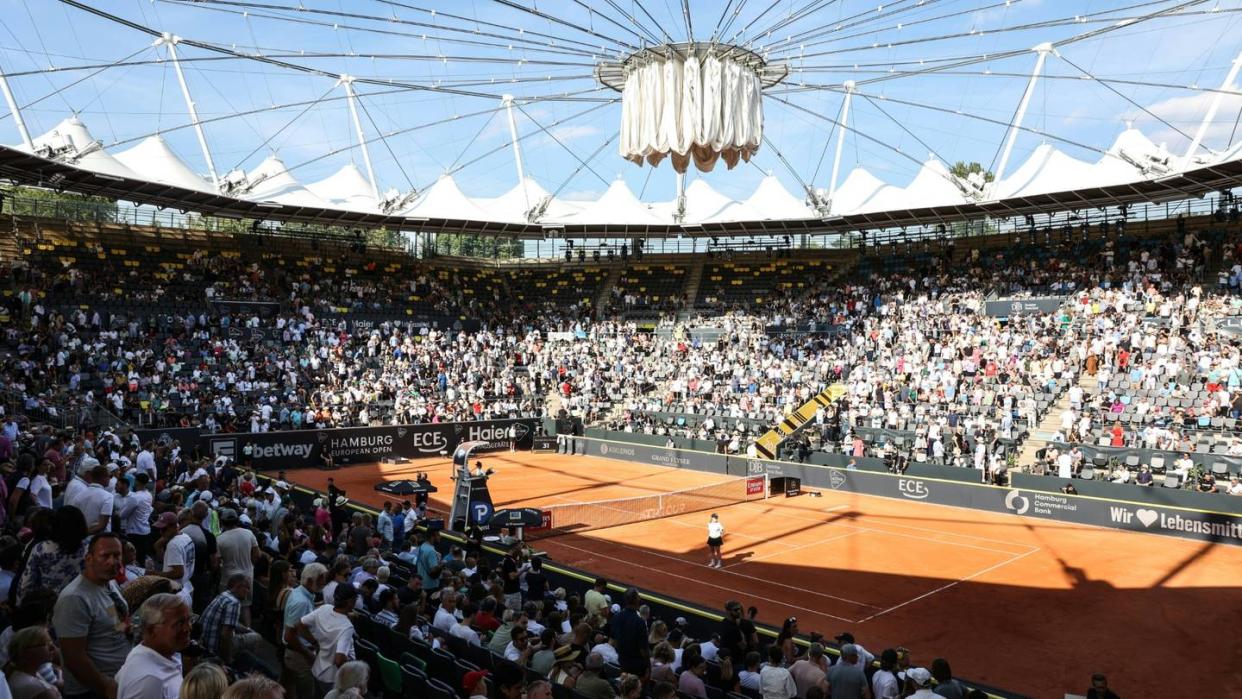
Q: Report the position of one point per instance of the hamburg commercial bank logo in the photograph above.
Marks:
(603, 450)
(1017, 503)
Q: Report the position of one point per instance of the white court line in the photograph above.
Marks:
(765, 581)
(703, 583)
(946, 586)
(908, 536)
(765, 557)
(674, 520)
(728, 534)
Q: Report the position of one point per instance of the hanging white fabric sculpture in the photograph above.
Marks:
(689, 108)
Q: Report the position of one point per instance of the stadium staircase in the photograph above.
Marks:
(768, 445)
(693, 280)
(1041, 436)
(604, 295)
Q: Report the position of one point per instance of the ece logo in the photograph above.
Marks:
(915, 490)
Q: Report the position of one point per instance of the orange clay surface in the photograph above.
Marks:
(1026, 605)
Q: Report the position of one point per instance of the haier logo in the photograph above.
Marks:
(280, 451)
(1016, 502)
(915, 490)
(495, 433)
(429, 442)
(224, 447)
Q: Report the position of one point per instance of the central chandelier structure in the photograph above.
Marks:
(698, 101)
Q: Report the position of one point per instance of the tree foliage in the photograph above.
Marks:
(65, 206)
(963, 170)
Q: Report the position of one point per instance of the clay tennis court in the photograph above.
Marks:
(1024, 604)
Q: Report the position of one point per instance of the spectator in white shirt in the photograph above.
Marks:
(520, 648)
(134, 506)
(775, 682)
(95, 501)
(445, 617)
(463, 629)
(146, 462)
(331, 629)
(607, 651)
(884, 684)
(153, 668)
(748, 676)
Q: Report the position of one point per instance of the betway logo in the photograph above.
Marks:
(495, 433)
(279, 451)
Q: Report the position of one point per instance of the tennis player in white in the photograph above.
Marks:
(715, 537)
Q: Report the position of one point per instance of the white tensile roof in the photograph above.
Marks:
(703, 203)
(771, 201)
(617, 205)
(347, 187)
(271, 181)
(444, 199)
(156, 161)
(857, 190)
(511, 207)
(1046, 170)
(1133, 157)
(86, 151)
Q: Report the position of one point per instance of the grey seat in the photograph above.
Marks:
(1172, 481)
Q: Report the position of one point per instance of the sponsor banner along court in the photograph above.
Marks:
(307, 448)
(1137, 516)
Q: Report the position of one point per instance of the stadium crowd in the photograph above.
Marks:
(927, 373)
(147, 579)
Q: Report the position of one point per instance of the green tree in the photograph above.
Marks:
(963, 170)
(480, 246)
(65, 206)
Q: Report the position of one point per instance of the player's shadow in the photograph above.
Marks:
(738, 558)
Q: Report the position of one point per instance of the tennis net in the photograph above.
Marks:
(585, 516)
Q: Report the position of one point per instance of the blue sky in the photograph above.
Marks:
(840, 41)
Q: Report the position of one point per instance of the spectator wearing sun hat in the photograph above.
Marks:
(920, 679)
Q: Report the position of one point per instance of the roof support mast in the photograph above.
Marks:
(842, 126)
(352, 99)
(1226, 86)
(1043, 50)
(171, 41)
(17, 113)
(507, 101)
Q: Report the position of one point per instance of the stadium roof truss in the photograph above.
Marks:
(25, 169)
(692, 100)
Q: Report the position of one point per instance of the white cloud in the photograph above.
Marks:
(581, 195)
(565, 134)
(1186, 113)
